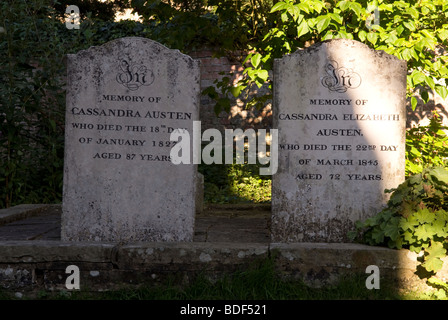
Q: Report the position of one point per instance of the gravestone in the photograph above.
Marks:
(339, 108)
(124, 98)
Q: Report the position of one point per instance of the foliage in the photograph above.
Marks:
(426, 146)
(33, 44)
(235, 183)
(416, 217)
(104, 10)
(32, 70)
(186, 24)
(31, 124)
(414, 31)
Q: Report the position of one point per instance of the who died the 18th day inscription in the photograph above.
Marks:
(124, 98)
(340, 111)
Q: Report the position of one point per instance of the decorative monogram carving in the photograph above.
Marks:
(134, 76)
(340, 79)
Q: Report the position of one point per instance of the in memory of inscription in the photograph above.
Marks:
(124, 99)
(339, 108)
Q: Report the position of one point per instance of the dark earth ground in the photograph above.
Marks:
(217, 223)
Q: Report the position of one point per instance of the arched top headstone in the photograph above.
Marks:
(124, 98)
(339, 107)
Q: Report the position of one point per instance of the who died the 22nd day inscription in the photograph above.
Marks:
(340, 110)
(124, 99)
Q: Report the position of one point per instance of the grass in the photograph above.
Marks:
(260, 282)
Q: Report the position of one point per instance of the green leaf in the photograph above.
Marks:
(392, 230)
(304, 7)
(391, 38)
(433, 260)
(433, 264)
(425, 216)
(302, 29)
(322, 22)
(336, 17)
(418, 77)
(317, 6)
(410, 25)
(279, 6)
(378, 235)
(443, 34)
(415, 247)
(408, 236)
(413, 103)
(252, 73)
(408, 224)
(362, 35)
(372, 37)
(439, 228)
(356, 8)
(422, 233)
(413, 12)
(263, 75)
(344, 5)
(255, 60)
(329, 35)
(425, 96)
(430, 82)
(440, 173)
(424, 43)
(295, 12)
(427, 33)
(299, 18)
(442, 91)
(236, 91)
(438, 283)
(399, 29)
(211, 92)
(406, 54)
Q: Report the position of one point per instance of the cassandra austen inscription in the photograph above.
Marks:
(124, 99)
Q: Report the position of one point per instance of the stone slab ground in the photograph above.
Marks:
(227, 239)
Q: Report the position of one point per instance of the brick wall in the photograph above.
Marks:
(238, 117)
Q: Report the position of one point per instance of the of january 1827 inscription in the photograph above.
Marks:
(124, 98)
(339, 108)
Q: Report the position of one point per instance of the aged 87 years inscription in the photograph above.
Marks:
(340, 111)
(123, 100)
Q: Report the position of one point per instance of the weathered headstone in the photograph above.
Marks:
(124, 98)
(339, 108)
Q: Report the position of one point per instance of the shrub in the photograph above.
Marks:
(426, 146)
(416, 218)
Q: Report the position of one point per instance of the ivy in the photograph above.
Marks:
(416, 218)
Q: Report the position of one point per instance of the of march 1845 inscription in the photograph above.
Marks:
(339, 108)
(124, 98)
